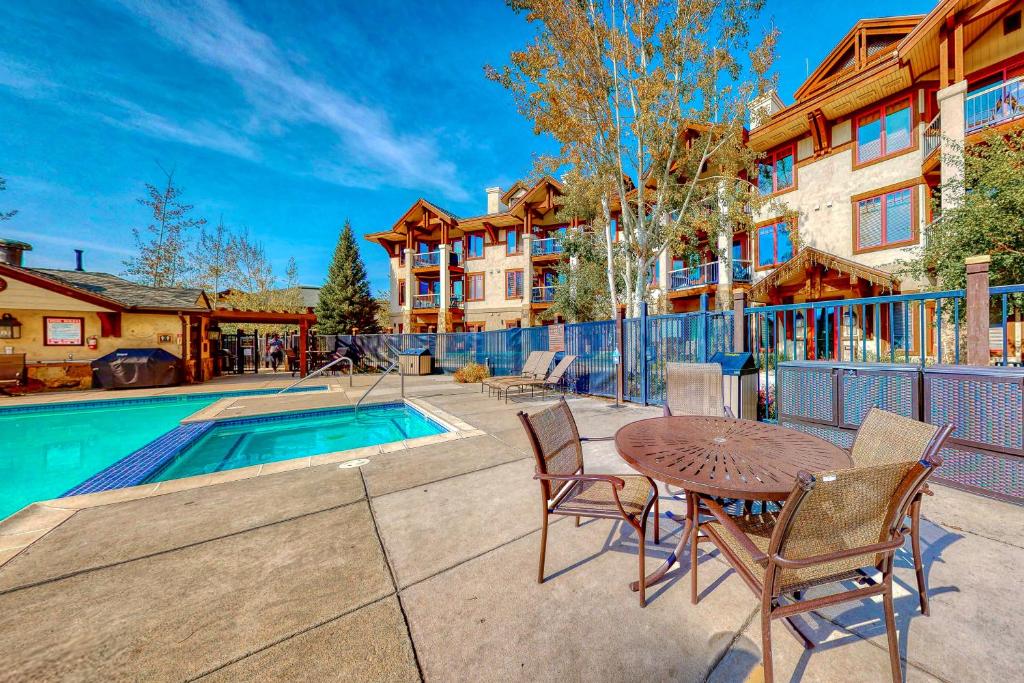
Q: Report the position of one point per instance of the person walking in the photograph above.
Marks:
(276, 347)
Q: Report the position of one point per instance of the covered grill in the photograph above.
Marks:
(136, 368)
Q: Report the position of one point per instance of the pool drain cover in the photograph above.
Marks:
(358, 462)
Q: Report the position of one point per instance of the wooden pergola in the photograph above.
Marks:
(303, 320)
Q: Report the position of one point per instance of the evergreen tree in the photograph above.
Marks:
(345, 299)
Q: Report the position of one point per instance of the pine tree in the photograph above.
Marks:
(345, 299)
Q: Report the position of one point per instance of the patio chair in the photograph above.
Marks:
(875, 445)
(832, 528)
(567, 490)
(536, 365)
(12, 369)
(553, 380)
(695, 389)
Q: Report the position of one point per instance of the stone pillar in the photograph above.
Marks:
(977, 310)
(951, 111)
(446, 288)
(410, 287)
(527, 311)
(739, 322)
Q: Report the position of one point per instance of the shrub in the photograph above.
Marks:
(472, 372)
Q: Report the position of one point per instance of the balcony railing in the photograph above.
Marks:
(456, 301)
(994, 105)
(547, 247)
(543, 295)
(427, 259)
(426, 301)
(706, 274)
(933, 136)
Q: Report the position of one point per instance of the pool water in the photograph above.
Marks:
(255, 441)
(45, 452)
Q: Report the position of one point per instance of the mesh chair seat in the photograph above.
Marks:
(595, 497)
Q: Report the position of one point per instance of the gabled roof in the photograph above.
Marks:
(111, 291)
(518, 185)
(795, 269)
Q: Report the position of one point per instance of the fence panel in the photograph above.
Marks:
(684, 338)
(593, 344)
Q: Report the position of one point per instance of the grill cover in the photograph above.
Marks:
(136, 368)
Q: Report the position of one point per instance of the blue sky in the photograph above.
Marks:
(286, 117)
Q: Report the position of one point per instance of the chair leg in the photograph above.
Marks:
(642, 554)
(915, 542)
(657, 517)
(577, 520)
(543, 547)
(890, 630)
(694, 531)
(766, 644)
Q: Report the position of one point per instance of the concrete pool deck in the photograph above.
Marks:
(421, 565)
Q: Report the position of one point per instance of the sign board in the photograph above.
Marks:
(63, 331)
(556, 338)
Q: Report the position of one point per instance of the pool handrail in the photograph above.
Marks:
(322, 371)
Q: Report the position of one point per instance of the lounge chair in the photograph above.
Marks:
(566, 490)
(536, 365)
(12, 369)
(553, 380)
(875, 445)
(695, 389)
(834, 527)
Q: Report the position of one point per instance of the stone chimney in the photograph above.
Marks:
(763, 107)
(494, 199)
(11, 251)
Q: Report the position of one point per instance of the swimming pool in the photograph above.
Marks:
(47, 449)
(235, 443)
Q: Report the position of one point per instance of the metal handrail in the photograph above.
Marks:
(401, 374)
(322, 371)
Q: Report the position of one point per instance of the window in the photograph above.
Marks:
(774, 245)
(885, 220)
(474, 245)
(775, 171)
(511, 241)
(884, 131)
(401, 255)
(513, 284)
(401, 292)
(475, 287)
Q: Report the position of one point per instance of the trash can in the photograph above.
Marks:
(417, 361)
(739, 377)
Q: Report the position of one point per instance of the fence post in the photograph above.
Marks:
(977, 309)
(702, 350)
(643, 352)
(739, 322)
(620, 350)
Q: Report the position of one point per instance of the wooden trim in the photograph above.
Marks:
(879, 108)
(401, 292)
(522, 282)
(469, 288)
(913, 186)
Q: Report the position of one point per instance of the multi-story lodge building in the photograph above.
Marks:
(858, 158)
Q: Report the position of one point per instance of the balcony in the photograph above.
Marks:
(421, 301)
(706, 274)
(432, 259)
(994, 105)
(543, 295)
(933, 136)
(549, 246)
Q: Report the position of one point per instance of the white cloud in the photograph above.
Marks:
(213, 33)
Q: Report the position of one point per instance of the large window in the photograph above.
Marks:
(475, 287)
(885, 220)
(475, 245)
(884, 131)
(513, 284)
(775, 171)
(774, 245)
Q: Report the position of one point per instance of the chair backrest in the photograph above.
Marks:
(694, 389)
(531, 363)
(12, 366)
(833, 512)
(555, 442)
(556, 375)
(886, 437)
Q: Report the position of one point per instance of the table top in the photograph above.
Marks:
(721, 456)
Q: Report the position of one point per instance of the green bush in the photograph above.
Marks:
(472, 372)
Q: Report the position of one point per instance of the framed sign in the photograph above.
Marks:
(63, 331)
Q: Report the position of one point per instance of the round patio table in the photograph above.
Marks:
(722, 457)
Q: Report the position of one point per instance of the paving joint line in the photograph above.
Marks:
(448, 478)
(24, 548)
(732, 642)
(89, 570)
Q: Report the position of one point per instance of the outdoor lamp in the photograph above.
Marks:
(213, 332)
(10, 328)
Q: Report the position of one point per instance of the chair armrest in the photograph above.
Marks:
(597, 438)
(613, 480)
(726, 521)
(728, 412)
(887, 546)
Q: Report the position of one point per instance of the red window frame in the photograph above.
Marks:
(771, 159)
(470, 277)
(401, 292)
(774, 224)
(885, 244)
(514, 290)
(883, 137)
(483, 245)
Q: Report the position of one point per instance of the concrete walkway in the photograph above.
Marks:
(421, 565)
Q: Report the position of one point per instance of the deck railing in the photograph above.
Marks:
(547, 246)
(543, 295)
(995, 104)
(426, 301)
(706, 274)
(933, 136)
(427, 259)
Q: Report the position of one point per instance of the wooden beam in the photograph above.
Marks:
(983, 9)
(958, 53)
(491, 232)
(943, 61)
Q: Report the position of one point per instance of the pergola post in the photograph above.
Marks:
(977, 310)
(739, 321)
(303, 343)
